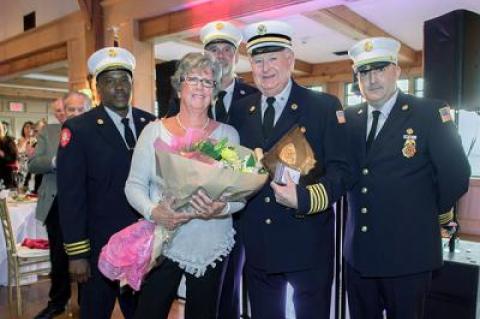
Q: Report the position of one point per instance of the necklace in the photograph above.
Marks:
(177, 117)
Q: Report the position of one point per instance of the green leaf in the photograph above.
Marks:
(250, 162)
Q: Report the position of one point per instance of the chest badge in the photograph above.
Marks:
(410, 145)
(252, 109)
(294, 107)
(99, 121)
(340, 117)
(65, 137)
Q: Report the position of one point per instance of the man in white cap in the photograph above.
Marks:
(222, 39)
(288, 230)
(93, 162)
(409, 169)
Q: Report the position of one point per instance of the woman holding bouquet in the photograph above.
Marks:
(202, 234)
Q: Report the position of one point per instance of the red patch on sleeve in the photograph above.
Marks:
(65, 137)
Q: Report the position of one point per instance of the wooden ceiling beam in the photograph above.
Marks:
(344, 20)
(34, 60)
(184, 21)
(30, 93)
(92, 15)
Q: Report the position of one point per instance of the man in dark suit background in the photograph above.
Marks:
(409, 169)
(92, 166)
(221, 39)
(43, 162)
(288, 231)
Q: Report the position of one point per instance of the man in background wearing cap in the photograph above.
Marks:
(288, 231)
(409, 170)
(221, 39)
(44, 162)
(93, 162)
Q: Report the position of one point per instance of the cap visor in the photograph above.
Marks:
(373, 66)
(267, 49)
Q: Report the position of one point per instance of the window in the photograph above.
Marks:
(351, 97)
(418, 87)
(316, 88)
(402, 84)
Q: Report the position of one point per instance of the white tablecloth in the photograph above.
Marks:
(24, 225)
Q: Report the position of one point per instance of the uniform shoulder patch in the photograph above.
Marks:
(340, 117)
(65, 137)
(445, 114)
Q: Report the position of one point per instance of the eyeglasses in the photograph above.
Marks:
(194, 80)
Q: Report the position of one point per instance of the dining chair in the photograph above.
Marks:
(20, 258)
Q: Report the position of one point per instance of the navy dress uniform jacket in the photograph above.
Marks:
(240, 90)
(398, 194)
(91, 173)
(277, 238)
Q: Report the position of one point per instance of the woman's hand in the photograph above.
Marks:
(205, 207)
(164, 215)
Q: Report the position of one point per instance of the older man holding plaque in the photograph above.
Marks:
(288, 228)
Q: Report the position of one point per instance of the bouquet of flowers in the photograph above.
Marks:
(186, 164)
(217, 167)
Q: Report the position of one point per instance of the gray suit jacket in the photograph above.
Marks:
(41, 163)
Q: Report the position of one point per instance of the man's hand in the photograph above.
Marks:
(205, 207)
(164, 215)
(79, 270)
(286, 195)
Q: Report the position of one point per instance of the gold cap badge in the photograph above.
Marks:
(112, 53)
(219, 26)
(261, 29)
(368, 46)
(409, 131)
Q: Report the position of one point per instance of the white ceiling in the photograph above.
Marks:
(315, 43)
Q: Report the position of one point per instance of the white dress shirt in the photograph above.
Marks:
(385, 110)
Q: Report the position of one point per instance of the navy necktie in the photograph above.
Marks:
(129, 138)
(220, 111)
(268, 117)
(373, 129)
